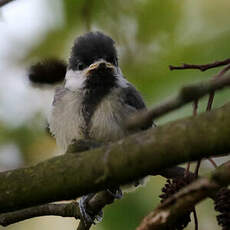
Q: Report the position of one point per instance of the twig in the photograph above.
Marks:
(187, 94)
(4, 2)
(212, 94)
(70, 209)
(195, 219)
(64, 210)
(201, 67)
(96, 204)
(197, 168)
(212, 162)
(174, 207)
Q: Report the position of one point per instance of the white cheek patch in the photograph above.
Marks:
(74, 80)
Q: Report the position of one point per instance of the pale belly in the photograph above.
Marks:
(107, 123)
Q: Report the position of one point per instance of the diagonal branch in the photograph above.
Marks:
(121, 162)
(187, 94)
(201, 67)
(174, 207)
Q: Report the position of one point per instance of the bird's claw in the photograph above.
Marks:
(88, 217)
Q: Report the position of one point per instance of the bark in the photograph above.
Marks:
(69, 176)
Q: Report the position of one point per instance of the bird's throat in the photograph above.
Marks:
(97, 86)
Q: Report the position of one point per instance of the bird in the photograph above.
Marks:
(95, 99)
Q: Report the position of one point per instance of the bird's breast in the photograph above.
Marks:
(106, 123)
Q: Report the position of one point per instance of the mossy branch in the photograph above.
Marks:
(71, 209)
(72, 175)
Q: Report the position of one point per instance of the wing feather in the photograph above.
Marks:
(133, 98)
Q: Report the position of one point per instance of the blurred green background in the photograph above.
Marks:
(150, 36)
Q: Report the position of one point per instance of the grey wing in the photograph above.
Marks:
(133, 98)
(59, 93)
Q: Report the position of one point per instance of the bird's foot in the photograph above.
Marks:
(87, 216)
(115, 192)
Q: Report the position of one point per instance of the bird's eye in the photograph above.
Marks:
(80, 66)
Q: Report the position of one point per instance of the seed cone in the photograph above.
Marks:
(222, 205)
(172, 186)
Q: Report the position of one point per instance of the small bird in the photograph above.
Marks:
(95, 100)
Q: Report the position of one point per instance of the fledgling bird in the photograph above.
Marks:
(95, 99)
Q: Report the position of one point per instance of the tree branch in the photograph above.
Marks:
(175, 206)
(70, 209)
(201, 67)
(187, 94)
(64, 210)
(121, 162)
(95, 204)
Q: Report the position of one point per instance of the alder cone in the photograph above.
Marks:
(222, 205)
(172, 186)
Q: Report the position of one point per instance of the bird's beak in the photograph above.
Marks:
(99, 64)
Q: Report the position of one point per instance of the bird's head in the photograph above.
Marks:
(93, 62)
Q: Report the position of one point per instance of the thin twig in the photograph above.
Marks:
(201, 67)
(187, 169)
(212, 94)
(197, 168)
(61, 209)
(213, 162)
(70, 209)
(195, 219)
